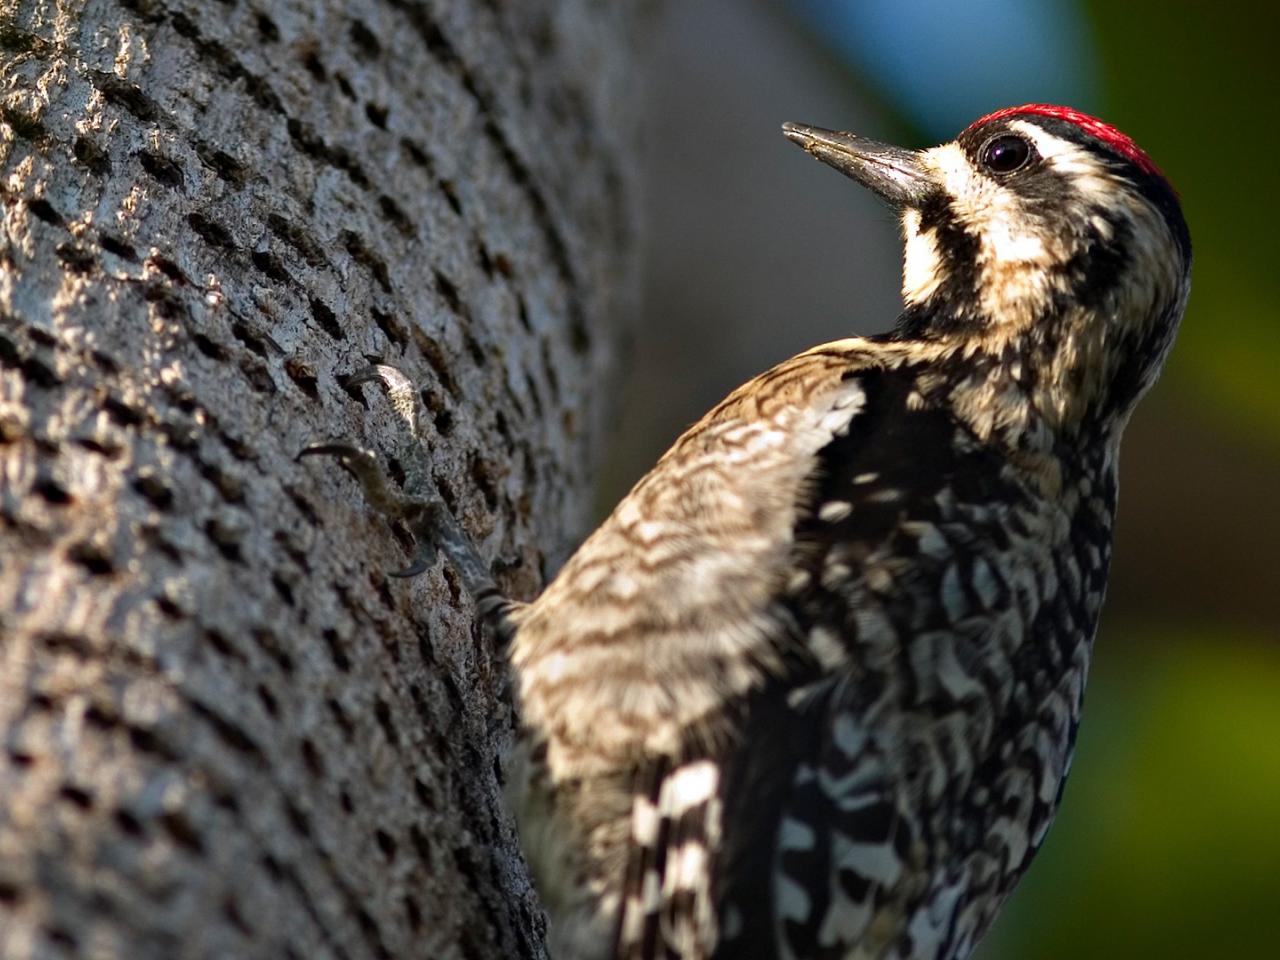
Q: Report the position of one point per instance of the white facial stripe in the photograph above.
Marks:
(922, 267)
(987, 209)
(1047, 145)
(1011, 251)
(954, 170)
(1082, 169)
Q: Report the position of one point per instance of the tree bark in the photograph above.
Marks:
(224, 731)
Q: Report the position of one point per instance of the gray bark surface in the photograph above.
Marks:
(223, 731)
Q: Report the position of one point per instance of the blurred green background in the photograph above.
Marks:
(1168, 844)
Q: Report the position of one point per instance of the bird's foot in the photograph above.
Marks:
(421, 515)
(433, 526)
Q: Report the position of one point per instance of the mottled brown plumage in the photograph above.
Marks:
(812, 689)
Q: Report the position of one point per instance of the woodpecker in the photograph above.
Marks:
(812, 690)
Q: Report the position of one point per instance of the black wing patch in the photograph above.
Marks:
(815, 843)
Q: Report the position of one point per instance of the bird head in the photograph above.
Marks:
(1040, 239)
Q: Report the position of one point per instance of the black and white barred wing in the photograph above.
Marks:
(864, 598)
(817, 849)
(667, 910)
(641, 663)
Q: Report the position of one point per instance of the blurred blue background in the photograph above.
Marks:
(1168, 844)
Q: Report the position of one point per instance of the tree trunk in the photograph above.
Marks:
(225, 731)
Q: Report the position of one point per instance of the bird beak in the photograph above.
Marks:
(895, 175)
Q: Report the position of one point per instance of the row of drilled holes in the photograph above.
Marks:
(87, 554)
(182, 831)
(168, 172)
(306, 141)
(228, 733)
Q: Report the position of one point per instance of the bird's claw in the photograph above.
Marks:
(417, 511)
(364, 466)
(417, 506)
(432, 525)
(345, 452)
(421, 564)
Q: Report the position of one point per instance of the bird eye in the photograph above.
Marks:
(1005, 153)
